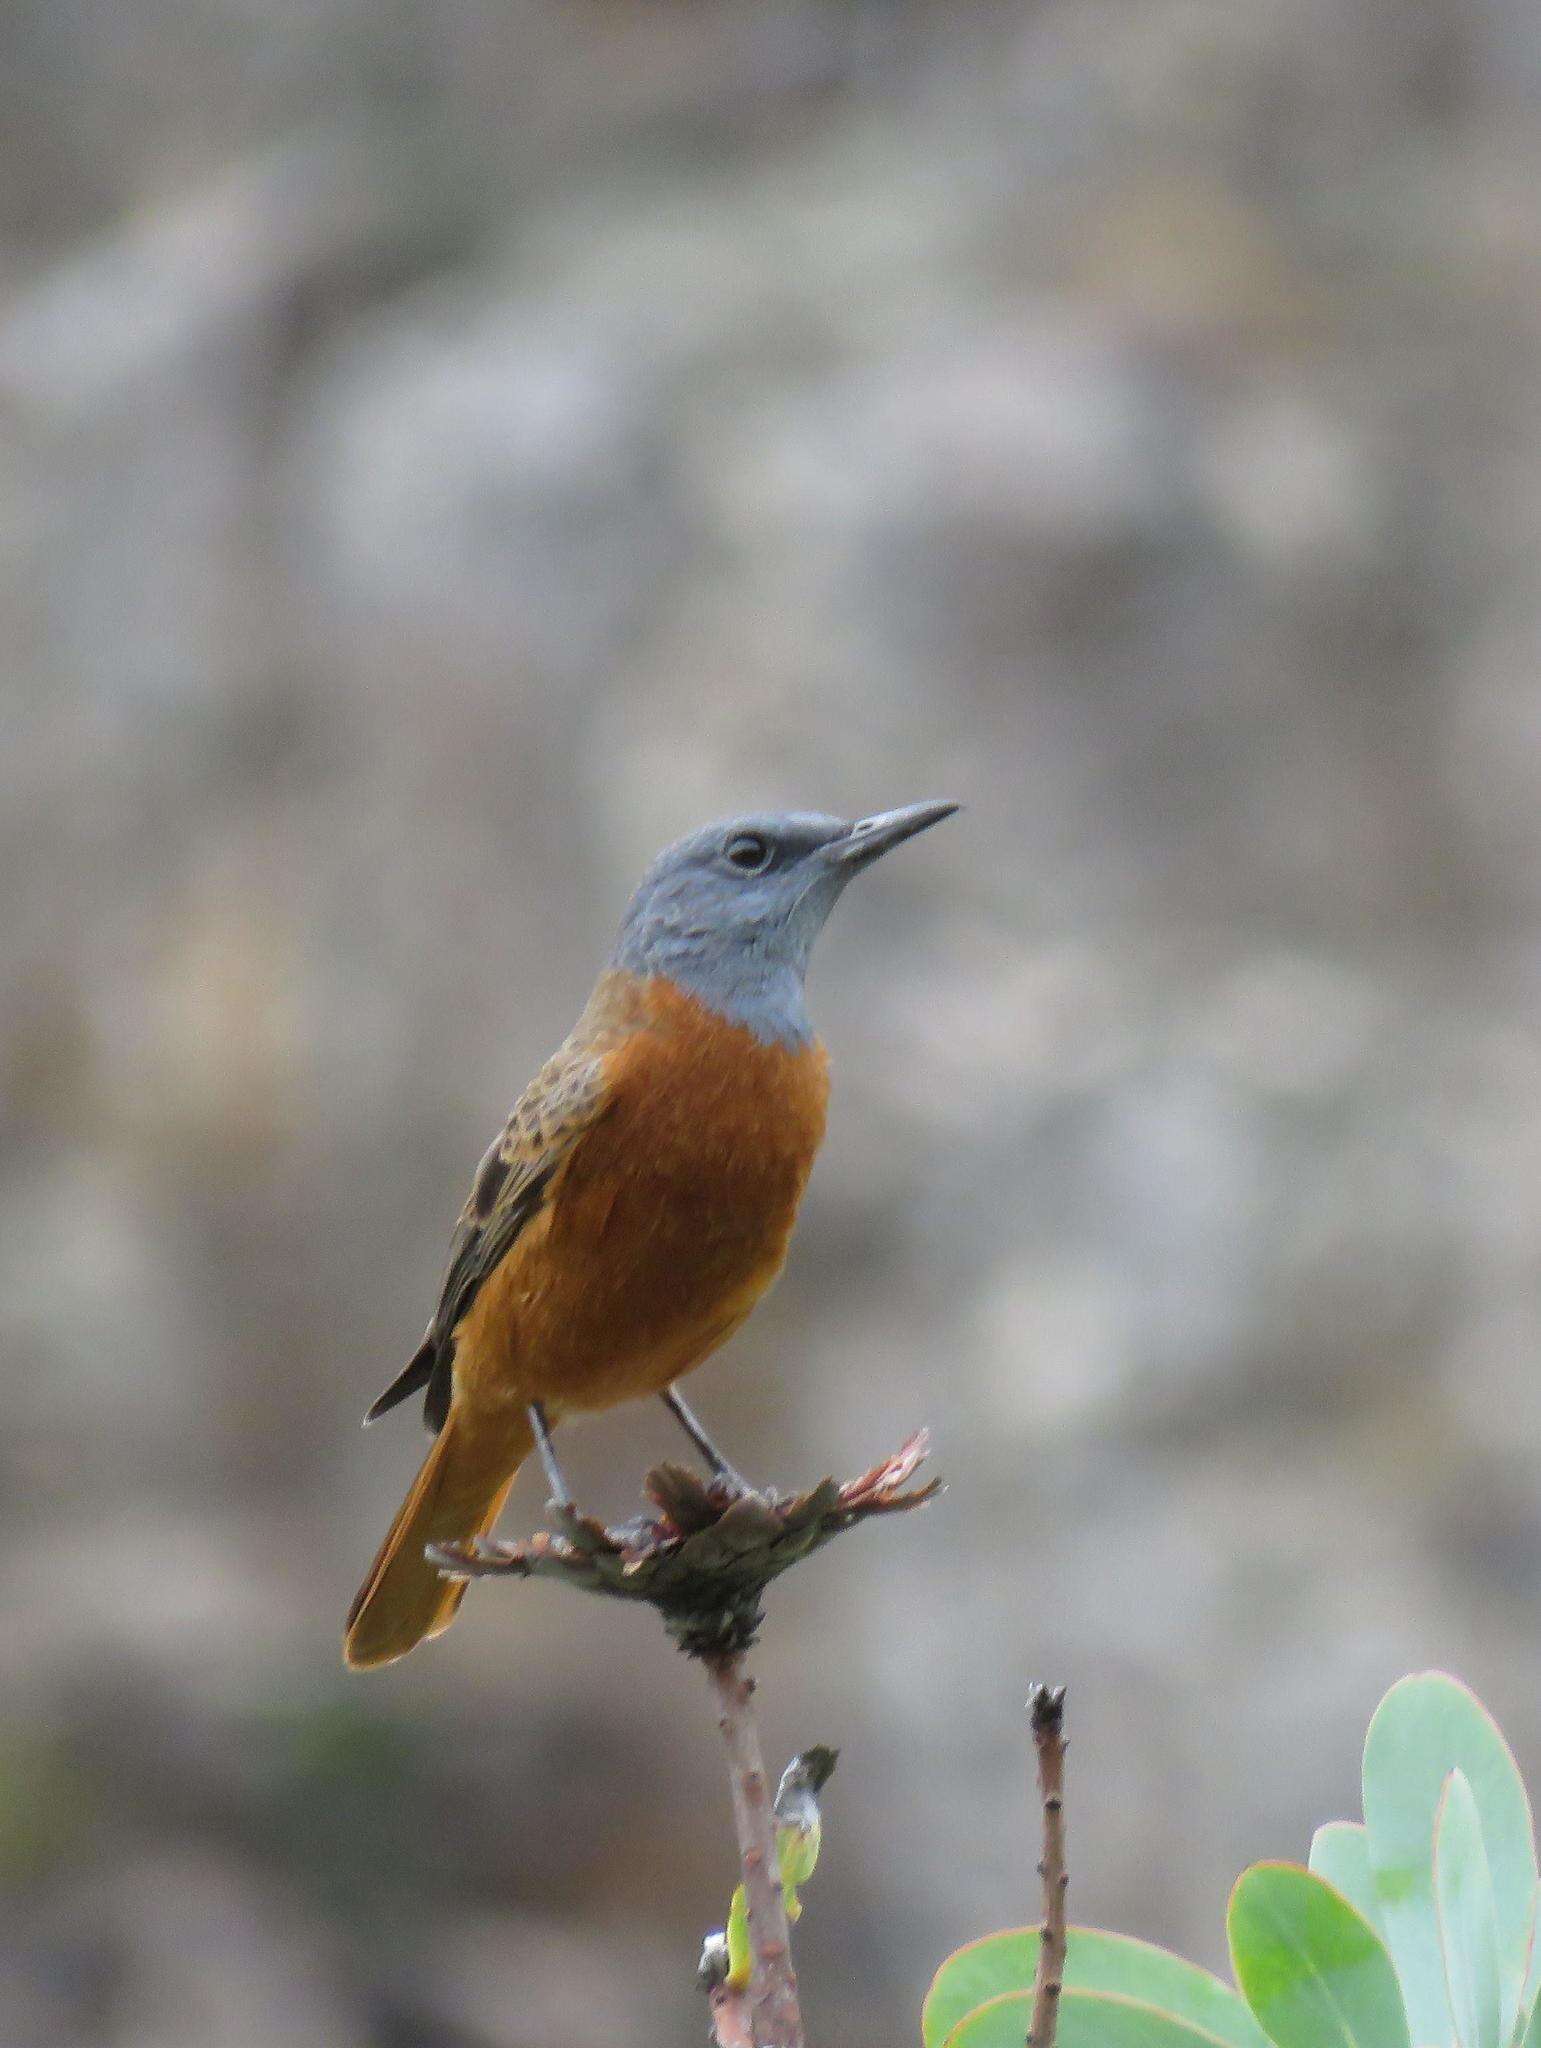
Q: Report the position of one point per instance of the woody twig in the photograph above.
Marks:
(1046, 1705)
(704, 1558)
(775, 2018)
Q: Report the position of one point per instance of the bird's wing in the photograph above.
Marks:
(566, 1098)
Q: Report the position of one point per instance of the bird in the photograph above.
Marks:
(640, 1197)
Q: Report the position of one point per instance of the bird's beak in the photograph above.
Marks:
(869, 838)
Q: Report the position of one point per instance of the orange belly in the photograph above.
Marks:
(663, 1228)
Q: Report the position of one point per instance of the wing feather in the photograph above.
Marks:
(566, 1098)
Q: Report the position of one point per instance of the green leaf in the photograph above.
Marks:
(1531, 2036)
(1094, 1961)
(1312, 1969)
(1087, 2019)
(979, 1971)
(1340, 1853)
(1424, 1728)
(1468, 1928)
(740, 1949)
(1531, 1985)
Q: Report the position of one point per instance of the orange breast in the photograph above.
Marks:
(666, 1224)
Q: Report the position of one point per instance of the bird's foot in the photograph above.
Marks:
(731, 1484)
(725, 1476)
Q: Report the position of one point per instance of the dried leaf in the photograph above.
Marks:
(706, 1556)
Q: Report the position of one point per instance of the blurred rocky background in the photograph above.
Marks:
(448, 449)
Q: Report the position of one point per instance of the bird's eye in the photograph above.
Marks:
(748, 852)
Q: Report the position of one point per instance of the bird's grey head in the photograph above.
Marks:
(731, 913)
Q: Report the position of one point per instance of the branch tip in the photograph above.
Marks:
(706, 1554)
(1046, 1705)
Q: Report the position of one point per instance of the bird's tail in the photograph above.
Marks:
(457, 1495)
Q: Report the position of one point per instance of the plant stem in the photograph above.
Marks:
(1047, 1706)
(775, 2016)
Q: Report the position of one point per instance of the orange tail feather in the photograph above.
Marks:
(463, 1483)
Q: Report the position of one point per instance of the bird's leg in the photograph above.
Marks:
(559, 1488)
(686, 1417)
